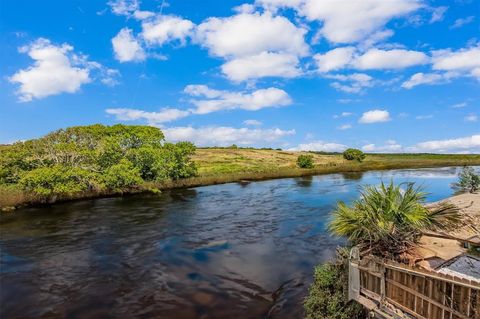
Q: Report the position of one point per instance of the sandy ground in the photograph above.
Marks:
(434, 251)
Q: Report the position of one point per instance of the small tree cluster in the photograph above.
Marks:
(94, 157)
(468, 180)
(305, 161)
(352, 154)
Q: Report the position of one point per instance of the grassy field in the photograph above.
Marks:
(216, 161)
(223, 165)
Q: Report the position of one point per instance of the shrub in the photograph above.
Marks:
(174, 161)
(468, 180)
(58, 179)
(327, 297)
(305, 161)
(353, 154)
(122, 175)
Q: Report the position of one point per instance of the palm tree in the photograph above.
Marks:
(389, 219)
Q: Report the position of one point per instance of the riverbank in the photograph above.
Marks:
(225, 165)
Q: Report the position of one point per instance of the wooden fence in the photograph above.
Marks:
(416, 292)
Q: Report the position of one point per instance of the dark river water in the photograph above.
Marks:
(225, 251)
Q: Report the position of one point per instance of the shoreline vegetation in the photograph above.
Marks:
(119, 160)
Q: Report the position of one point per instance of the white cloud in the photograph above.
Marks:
(465, 61)
(166, 28)
(389, 59)
(469, 143)
(373, 59)
(460, 105)
(163, 116)
(351, 83)
(265, 64)
(126, 47)
(216, 100)
(123, 7)
(224, 136)
(56, 70)
(375, 116)
(462, 21)
(438, 14)
(390, 146)
(252, 122)
(345, 127)
(274, 5)
(334, 59)
(343, 114)
(320, 146)
(471, 118)
(356, 20)
(424, 117)
(250, 34)
(427, 78)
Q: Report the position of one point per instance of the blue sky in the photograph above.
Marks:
(384, 76)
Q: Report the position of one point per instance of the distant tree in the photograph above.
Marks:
(353, 154)
(305, 161)
(468, 180)
(233, 146)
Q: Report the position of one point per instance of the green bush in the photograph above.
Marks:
(327, 297)
(353, 154)
(82, 158)
(468, 180)
(122, 175)
(174, 162)
(58, 180)
(305, 161)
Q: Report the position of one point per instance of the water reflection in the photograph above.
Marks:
(224, 251)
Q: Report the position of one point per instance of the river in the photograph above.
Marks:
(223, 251)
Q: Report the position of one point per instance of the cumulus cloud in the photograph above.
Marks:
(166, 28)
(265, 64)
(123, 7)
(251, 46)
(334, 59)
(57, 69)
(163, 116)
(466, 61)
(126, 47)
(224, 136)
(424, 78)
(462, 144)
(389, 59)
(347, 21)
(372, 59)
(390, 146)
(375, 116)
(209, 100)
(320, 146)
(248, 34)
